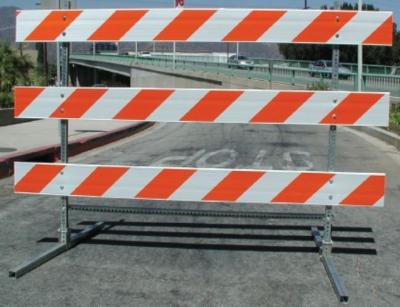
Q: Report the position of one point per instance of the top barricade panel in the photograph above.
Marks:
(206, 25)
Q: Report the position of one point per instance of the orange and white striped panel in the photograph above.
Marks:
(206, 25)
(201, 185)
(204, 105)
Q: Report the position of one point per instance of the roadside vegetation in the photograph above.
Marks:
(395, 117)
(15, 69)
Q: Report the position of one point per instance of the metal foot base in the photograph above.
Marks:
(37, 261)
(330, 268)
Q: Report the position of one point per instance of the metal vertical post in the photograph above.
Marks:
(325, 245)
(65, 233)
(174, 57)
(360, 58)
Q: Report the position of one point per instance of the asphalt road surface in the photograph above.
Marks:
(142, 262)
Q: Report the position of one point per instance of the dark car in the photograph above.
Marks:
(324, 68)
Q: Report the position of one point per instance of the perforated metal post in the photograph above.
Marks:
(359, 58)
(65, 233)
(325, 247)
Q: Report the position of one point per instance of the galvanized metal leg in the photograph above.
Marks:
(327, 261)
(66, 240)
(37, 261)
(324, 242)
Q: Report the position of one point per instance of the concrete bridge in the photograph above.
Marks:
(96, 69)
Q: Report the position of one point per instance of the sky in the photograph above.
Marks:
(385, 5)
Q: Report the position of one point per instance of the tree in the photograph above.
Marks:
(14, 70)
(348, 54)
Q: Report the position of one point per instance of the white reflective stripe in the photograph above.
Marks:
(150, 25)
(199, 185)
(132, 182)
(85, 25)
(268, 186)
(380, 202)
(360, 27)
(68, 180)
(316, 108)
(378, 114)
(289, 26)
(342, 185)
(110, 104)
(219, 25)
(27, 21)
(177, 105)
(246, 106)
(47, 102)
(21, 169)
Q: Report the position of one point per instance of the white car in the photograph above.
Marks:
(395, 71)
(240, 62)
(145, 54)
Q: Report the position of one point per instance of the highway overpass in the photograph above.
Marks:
(272, 75)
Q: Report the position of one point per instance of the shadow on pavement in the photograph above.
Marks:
(190, 234)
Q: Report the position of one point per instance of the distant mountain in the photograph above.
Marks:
(7, 23)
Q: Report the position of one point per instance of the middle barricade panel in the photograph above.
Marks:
(205, 105)
(201, 185)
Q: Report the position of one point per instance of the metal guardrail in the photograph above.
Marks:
(271, 72)
(219, 58)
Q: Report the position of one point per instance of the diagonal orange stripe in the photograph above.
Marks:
(253, 26)
(302, 188)
(211, 106)
(165, 183)
(233, 186)
(324, 27)
(38, 178)
(184, 25)
(367, 193)
(383, 35)
(119, 23)
(99, 181)
(281, 107)
(143, 104)
(78, 103)
(23, 97)
(53, 25)
(351, 109)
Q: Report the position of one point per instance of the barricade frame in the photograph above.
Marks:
(322, 240)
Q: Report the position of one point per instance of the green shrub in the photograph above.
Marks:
(395, 115)
(318, 86)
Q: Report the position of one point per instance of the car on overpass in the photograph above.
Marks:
(395, 71)
(240, 62)
(324, 68)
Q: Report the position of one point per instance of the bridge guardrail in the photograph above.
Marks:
(271, 73)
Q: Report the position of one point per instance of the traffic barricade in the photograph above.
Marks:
(235, 106)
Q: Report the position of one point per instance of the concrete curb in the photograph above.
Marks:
(51, 153)
(382, 134)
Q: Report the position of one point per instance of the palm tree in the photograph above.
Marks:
(14, 70)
